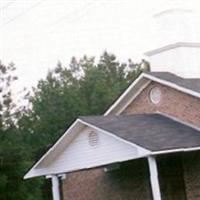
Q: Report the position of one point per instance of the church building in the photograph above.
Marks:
(147, 144)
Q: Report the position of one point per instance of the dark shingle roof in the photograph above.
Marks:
(154, 132)
(188, 83)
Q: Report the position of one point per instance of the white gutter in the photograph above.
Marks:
(176, 150)
(172, 46)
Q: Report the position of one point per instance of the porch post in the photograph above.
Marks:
(154, 178)
(55, 187)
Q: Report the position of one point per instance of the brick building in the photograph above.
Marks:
(146, 146)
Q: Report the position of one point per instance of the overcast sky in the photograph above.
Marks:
(35, 34)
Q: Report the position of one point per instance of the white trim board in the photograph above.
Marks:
(139, 83)
(171, 10)
(61, 139)
(134, 96)
(173, 85)
(176, 150)
(172, 46)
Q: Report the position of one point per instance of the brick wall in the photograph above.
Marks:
(173, 102)
(130, 181)
(181, 106)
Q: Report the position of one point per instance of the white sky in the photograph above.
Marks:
(35, 34)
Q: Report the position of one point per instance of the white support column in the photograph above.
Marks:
(154, 178)
(55, 187)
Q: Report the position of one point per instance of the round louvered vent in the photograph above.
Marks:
(93, 139)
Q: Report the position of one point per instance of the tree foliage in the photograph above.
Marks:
(13, 153)
(84, 87)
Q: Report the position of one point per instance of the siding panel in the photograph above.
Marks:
(80, 154)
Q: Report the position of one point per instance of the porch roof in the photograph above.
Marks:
(154, 132)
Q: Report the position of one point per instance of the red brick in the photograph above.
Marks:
(131, 182)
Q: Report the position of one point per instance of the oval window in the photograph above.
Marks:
(155, 95)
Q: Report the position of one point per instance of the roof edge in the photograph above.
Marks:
(26, 176)
(126, 92)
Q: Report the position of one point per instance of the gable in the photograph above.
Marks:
(93, 148)
(173, 103)
(90, 148)
(183, 85)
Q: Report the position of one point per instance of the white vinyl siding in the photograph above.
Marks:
(81, 155)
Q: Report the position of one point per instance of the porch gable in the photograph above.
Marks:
(90, 148)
